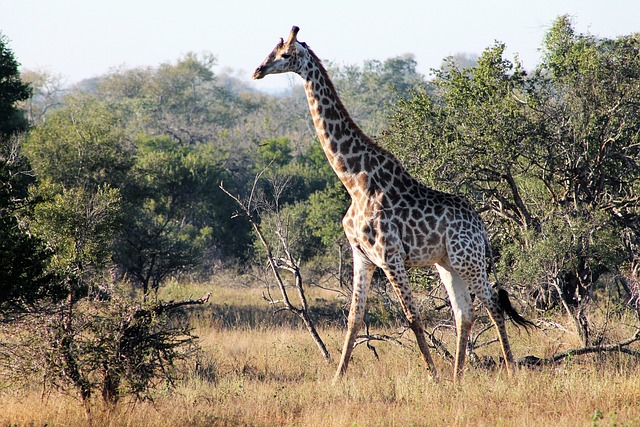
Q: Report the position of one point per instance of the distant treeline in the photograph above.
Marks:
(119, 176)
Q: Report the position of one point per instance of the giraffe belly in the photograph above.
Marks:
(423, 249)
(381, 239)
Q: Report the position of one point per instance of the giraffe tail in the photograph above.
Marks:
(505, 305)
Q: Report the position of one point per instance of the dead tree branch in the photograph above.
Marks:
(366, 338)
(621, 347)
(172, 305)
(287, 264)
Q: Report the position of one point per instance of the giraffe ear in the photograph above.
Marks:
(292, 35)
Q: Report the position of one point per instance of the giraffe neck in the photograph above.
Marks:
(348, 149)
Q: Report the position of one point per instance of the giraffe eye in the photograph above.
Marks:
(286, 55)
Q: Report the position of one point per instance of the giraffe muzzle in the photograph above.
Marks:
(258, 73)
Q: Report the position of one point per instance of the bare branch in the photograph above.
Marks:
(275, 266)
(171, 305)
(621, 347)
(365, 338)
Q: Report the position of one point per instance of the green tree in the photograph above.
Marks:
(24, 276)
(305, 197)
(590, 100)
(549, 157)
(174, 213)
(475, 136)
(274, 153)
(290, 222)
(12, 90)
(370, 91)
(181, 100)
(79, 226)
(82, 159)
(325, 211)
(83, 145)
(24, 280)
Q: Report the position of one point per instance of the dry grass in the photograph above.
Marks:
(264, 375)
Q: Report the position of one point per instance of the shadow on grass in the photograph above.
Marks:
(252, 317)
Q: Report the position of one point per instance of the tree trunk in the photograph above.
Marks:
(575, 313)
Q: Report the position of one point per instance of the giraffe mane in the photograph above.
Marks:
(340, 105)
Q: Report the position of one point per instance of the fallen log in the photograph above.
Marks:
(621, 347)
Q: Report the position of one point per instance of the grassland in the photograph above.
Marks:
(259, 372)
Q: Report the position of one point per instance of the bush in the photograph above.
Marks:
(112, 347)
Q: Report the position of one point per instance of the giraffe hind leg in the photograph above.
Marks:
(496, 313)
(475, 276)
(460, 299)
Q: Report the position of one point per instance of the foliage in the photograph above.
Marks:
(274, 152)
(174, 213)
(79, 228)
(81, 157)
(110, 347)
(325, 210)
(303, 199)
(12, 90)
(24, 276)
(170, 215)
(180, 100)
(24, 280)
(166, 136)
(550, 156)
(290, 222)
(82, 145)
(370, 91)
(46, 94)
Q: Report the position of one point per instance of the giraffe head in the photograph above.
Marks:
(285, 57)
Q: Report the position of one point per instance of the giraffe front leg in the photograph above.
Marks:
(362, 274)
(397, 275)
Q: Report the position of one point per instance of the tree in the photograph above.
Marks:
(24, 258)
(83, 145)
(549, 157)
(370, 91)
(47, 93)
(24, 279)
(592, 100)
(79, 226)
(284, 260)
(274, 152)
(12, 90)
(325, 211)
(110, 348)
(473, 136)
(181, 100)
(174, 213)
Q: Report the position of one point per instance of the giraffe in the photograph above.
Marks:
(395, 222)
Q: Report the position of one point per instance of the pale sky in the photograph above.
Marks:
(80, 39)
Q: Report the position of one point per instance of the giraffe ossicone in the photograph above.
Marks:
(394, 221)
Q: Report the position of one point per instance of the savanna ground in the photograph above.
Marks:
(260, 370)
